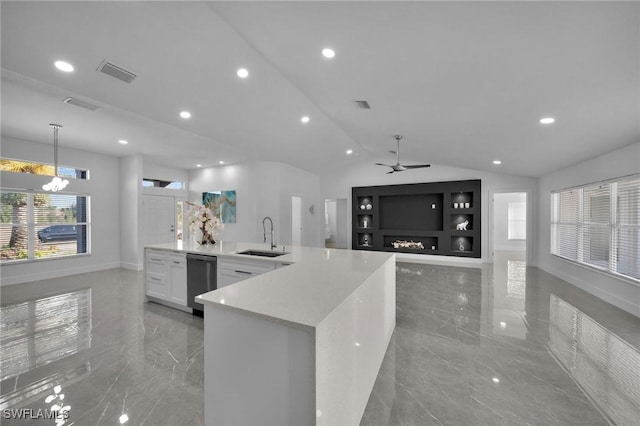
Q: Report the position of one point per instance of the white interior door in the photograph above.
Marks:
(159, 219)
(296, 220)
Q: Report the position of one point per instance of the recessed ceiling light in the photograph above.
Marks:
(198, 165)
(547, 120)
(63, 66)
(496, 380)
(221, 162)
(243, 73)
(349, 151)
(123, 142)
(328, 53)
(305, 119)
(497, 162)
(185, 114)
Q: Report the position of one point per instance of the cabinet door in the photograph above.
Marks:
(157, 274)
(232, 270)
(228, 276)
(178, 287)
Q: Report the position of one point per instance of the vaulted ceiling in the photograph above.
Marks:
(465, 82)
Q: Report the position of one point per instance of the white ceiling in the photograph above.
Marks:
(464, 82)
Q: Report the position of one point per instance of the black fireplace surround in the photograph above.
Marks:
(439, 218)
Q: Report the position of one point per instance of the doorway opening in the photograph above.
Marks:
(510, 224)
(296, 220)
(335, 223)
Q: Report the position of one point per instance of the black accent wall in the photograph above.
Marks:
(429, 213)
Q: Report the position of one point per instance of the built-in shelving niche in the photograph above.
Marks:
(441, 218)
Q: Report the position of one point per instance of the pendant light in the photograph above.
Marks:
(57, 183)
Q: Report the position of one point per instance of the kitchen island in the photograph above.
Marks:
(301, 344)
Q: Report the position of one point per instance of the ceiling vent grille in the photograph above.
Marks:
(116, 72)
(81, 104)
(362, 104)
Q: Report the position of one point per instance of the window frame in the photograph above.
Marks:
(81, 174)
(31, 226)
(581, 235)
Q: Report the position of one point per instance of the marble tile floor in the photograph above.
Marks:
(497, 344)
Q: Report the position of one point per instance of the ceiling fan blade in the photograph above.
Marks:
(416, 166)
(400, 167)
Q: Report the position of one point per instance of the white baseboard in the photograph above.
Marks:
(439, 260)
(25, 278)
(600, 293)
(131, 266)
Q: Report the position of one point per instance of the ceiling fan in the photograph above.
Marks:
(401, 167)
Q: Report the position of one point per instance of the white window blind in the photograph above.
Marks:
(596, 225)
(626, 229)
(37, 225)
(599, 225)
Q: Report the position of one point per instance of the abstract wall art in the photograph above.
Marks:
(222, 204)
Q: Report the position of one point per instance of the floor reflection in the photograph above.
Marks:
(605, 366)
(472, 347)
(89, 344)
(508, 288)
(43, 330)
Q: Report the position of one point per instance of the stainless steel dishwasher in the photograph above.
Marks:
(201, 278)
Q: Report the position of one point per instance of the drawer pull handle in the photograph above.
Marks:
(177, 262)
(157, 260)
(243, 272)
(155, 279)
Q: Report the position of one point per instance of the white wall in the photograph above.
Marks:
(338, 184)
(103, 187)
(263, 188)
(500, 231)
(617, 291)
(155, 171)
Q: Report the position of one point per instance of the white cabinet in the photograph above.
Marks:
(233, 270)
(178, 287)
(166, 276)
(157, 273)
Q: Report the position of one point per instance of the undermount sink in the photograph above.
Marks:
(262, 253)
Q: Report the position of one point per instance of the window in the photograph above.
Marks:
(155, 183)
(36, 225)
(18, 166)
(599, 225)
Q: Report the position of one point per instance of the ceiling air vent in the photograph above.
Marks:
(362, 104)
(81, 104)
(116, 72)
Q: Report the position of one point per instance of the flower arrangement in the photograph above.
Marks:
(201, 219)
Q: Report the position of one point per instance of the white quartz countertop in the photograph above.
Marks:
(305, 292)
